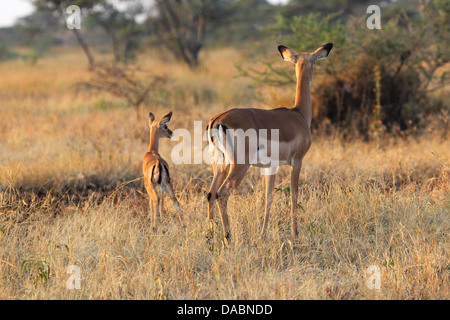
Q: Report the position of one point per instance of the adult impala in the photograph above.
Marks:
(294, 139)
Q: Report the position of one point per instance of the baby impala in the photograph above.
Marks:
(156, 170)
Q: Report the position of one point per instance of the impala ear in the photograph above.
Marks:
(287, 54)
(166, 118)
(321, 53)
(151, 118)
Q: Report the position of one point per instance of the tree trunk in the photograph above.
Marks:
(85, 47)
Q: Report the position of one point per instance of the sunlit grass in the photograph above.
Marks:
(66, 158)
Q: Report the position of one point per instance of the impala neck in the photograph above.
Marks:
(303, 91)
(154, 141)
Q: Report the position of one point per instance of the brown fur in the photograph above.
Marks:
(294, 137)
(156, 170)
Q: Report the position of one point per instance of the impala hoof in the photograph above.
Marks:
(228, 237)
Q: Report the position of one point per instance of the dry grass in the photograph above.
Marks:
(64, 156)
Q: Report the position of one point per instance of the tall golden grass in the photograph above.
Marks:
(67, 160)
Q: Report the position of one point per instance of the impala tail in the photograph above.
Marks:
(220, 147)
(155, 175)
(159, 173)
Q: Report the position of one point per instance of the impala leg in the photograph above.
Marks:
(295, 176)
(151, 207)
(152, 203)
(172, 196)
(220, 173)
(155, 202)
(270, 181)
(233, 180)
(161, 203)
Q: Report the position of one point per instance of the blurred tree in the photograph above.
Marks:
(59, 7)
(181, 25)
(245, 22)
(302, 7)
(36, 29)
(36, 32)
(125, 82)
(7, 54)
(121, 26)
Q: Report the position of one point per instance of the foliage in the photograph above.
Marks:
(37, 29)
(122, 82)
(7, 54)
(181, 25)
(58, 8)
(121, 27)
(408, 52)
(295, 7)
(243, 24)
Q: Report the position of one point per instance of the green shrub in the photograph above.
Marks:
(6, 54)
(406, 50)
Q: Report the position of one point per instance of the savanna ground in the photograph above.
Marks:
(68, 160)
